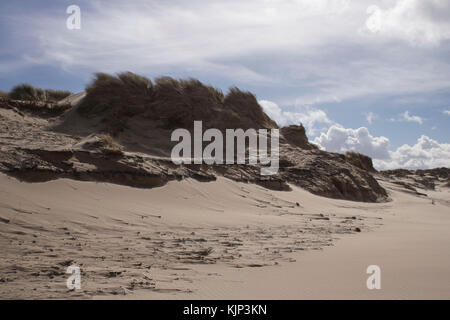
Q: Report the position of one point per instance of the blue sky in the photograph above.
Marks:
(370, 76)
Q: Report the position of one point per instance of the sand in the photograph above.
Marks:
(411, 249)
(216, 240)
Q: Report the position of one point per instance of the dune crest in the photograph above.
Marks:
(138, 115)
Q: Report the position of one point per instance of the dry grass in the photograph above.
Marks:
(106, 92)
(38, 108)
(56, 95)
(28, 92)
(236, 98)
(116, 99)
(3, 94)
(170, 102)
(179, 102)
(109, 144)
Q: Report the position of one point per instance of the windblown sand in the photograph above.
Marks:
(218, 240)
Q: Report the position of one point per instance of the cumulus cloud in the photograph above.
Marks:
(447, 112)
(339, 139)
(415, 21)
(309, 116)
(410, 118)
(426, 153)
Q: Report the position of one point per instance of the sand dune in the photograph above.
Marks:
(126, 238)
(217, 240)
(89, 182)
(411, 248)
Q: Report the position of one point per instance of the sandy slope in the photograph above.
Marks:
(217, 240)
(411, 249)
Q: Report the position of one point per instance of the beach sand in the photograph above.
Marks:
(219, 240)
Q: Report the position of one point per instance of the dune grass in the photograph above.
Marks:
(56, 95)
(172, 103)
(107, 92)
(26, 91)
(109, 143)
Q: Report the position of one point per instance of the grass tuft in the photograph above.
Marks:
(28, 92)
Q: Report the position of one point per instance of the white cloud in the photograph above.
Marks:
(405, 116)
(309, 116)
(410, 118)
(426, 153)
(313, 50)
(339, 139)
(370, 117)
(418, 22)
(197, 35)
(447, 112)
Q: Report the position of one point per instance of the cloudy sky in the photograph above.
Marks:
(370, 76)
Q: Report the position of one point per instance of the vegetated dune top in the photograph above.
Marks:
(119, 131)
(117, 102)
